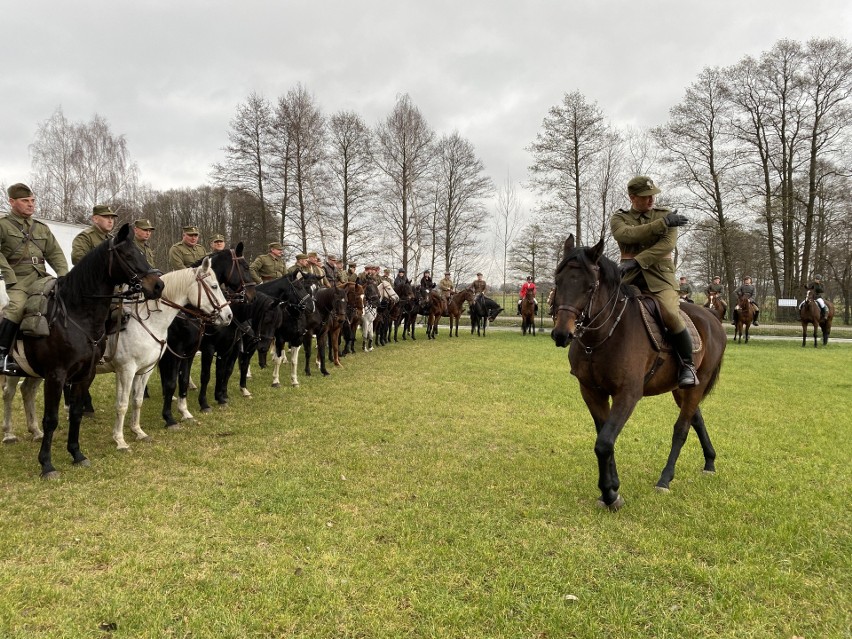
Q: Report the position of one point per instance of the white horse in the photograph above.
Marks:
(133, 352)
(367, 328)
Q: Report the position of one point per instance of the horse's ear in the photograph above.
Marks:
(205, 263)
(597, 250)
(239, 250)
(568, 246)
(123, 232)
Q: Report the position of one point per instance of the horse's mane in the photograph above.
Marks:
(86, 275)
(609, 274)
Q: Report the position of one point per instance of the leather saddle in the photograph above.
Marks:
(652, 318)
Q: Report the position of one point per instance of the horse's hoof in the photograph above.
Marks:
(245, 392)
(207, 410)
(147, 439)
(708, 472)
(50, 476)
(83, 463)
(276, 385)
(88, 413)
(173, 427)
(614, 506)
(223, 406)
(662, 489)
(295, 384)
(125, 449)
(10, 439)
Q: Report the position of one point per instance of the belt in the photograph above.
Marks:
(29, 260)
(267, 278)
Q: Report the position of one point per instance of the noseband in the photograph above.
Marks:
(134, 278)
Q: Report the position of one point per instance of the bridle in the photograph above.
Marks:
(134, 278)
(586, 317)
(195, 311)
(238, 294)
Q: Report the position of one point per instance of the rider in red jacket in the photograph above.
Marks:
(529, 285)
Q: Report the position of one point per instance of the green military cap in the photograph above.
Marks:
(274, 245)
(144, 225)
(103, 210)
(387, 270)
(716, 277)
(313, 254)
(353, 264)
(19, 190)
(190, 230)
(331, 258)
(301, 256)
(642, 185)
(218, 238)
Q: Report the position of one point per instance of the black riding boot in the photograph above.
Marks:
(756, 313)
(682, 344)
(8, 329)
(734, 317)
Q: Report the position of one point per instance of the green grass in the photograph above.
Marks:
(443, 489)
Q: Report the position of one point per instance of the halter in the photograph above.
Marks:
(134, 285)
(195, 311)
(239, 294)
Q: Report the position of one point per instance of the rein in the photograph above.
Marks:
(586, 317)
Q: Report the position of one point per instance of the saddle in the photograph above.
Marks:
(652, 318)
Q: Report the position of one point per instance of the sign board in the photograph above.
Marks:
(788, 303)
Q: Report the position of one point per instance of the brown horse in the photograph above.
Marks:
(612, 356)
(455, 305)
(744, 317)
(809, 313)
(716, 305)
(528, 313)
(433, 309)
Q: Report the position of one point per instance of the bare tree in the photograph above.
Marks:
(403, 154)
(572, 135)
(56, 181)
(506, 225)
(247, 156)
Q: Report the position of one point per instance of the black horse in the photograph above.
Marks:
(482, 311)
(294, 294)
(186, 333)
(78, 313)
(408, 307)
(266, 316)
(327, 302)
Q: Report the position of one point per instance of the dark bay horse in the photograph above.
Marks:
(613, 358)
(483, 310)
(809, 313)
(328, 302)
(745, 316)
(455, 306)
(354, 312)
(432, 307)
(78, 313)
(408, 308)
(528, 313)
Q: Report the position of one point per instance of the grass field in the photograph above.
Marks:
(443, 489)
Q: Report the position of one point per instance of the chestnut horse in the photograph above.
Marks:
(612, 357)
(455, 305)
(716, 305)
(809, 313)
(745, 316)
(528, 313)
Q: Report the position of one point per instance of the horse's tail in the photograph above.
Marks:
(714, 376)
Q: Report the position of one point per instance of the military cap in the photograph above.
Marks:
(746, 277)
(716, 277)
(401, 271)
(144, 225)
(19, 190)
(103, 210)
(330, 258)
(446, 272)
(427, 271)
(478, 274)
(190, 230)
(274, 245)
(387, 270)
(817, 277)
(301, 256)
(313, 254)
(353, 264)
(218, 238)
(642, 185)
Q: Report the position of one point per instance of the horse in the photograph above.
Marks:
(295, 296)
(388, 300)
(612, 356)
(432, 307)
(133, 352)
(528, 313)
(483, 310)
(744, 317)
(78, 311)
(328, 302)
(809, 313)
(266, 315)
(716, 305)
(455, 305)
(408, 307)
(354, 314)
(368, 317)
(186, 333)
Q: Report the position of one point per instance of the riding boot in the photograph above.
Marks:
(756, 313)
(8, 329)
(734, 317)
(682, 344)
(823, 313)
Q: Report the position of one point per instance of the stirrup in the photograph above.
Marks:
(688, 376)
(8, 366)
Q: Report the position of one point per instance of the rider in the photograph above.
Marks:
(816, 287)
(426, 281)
(400, 280)
(685, 289)
(716, 288)
(529, 285)
(647, 237)
(746, 289)
(478, 285)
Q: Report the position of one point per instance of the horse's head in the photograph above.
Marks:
(127, 265)
(232, 271)
(371, 293)
(207, 296)
(579, 276)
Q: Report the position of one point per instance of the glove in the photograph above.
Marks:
(676, 219)
(627, 265)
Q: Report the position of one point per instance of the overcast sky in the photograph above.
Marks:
(168, 74)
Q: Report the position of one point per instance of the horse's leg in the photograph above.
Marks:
(75, 418)
(245, 362)
(207, 352)
(321, 355)
(10, 386)
(619, 413)
(123, 385)
(307, 343)
(294, 364)
(29, 390)
(137, 397)
(224, 369)
(183, 382)
(704, 439)
(688, 402)
(815, 334)
(168, 381)
(334, 339)
(52, 398)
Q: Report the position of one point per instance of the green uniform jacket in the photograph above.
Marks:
(715, 288)
(183, 256)
(685, 289)
(747, 290)
(85, 242)
(646, 238)
(478, 286)
(146, 250)
(266, 267)
(22, 257)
